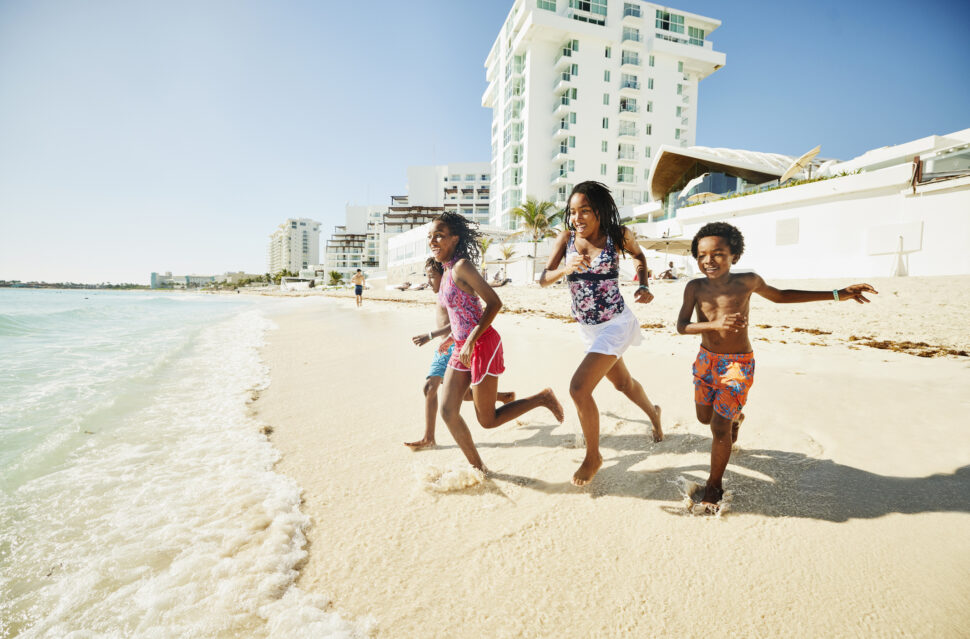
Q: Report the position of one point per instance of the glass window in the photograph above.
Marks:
(670, 21)
(602, 169)
(548, 5)
(631, 10)
(696, 36)
(676, 134)
(647, 151)
(606, 123)
(606, 98)
(649, 107)
(651, 60)
(628, 81)
(649, 83)
(648, 129)
(609, 52)
(470, 177)
(604, 146)
(624, 174)
(680, 66)
(606, 76)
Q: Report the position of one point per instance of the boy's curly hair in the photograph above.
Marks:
(468, 236)
(720, 229)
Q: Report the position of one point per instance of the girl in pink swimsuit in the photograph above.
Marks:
(477, 360)
(591, 250)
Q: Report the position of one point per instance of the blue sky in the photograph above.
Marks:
(152, 136)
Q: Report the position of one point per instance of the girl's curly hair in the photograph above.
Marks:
(468, 236)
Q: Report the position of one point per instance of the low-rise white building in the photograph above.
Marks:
(878, 215)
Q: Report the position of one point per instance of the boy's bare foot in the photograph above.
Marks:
(549, 401)
(505, 398)
(658, 433)
(735, 427)
(421, 444)
(711, 498)
(587, 470)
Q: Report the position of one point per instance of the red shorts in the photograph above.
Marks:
(487, 356)
(723, 380)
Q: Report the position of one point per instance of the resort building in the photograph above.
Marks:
(294, 245)
(590, 89)
(893, 211)
(459, 188)
(345, 252)
(167, 280)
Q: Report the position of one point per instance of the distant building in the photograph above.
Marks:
(167, 280)
(294, 246)
(463, 188)
(589, 90)
(893, 211)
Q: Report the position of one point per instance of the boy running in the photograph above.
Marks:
(724, 369)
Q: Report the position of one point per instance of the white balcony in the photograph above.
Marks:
(629, 88)
(559, 178)
(561, 130)
(561, 108)
(560, 153)
(562, 82)
(564, 59)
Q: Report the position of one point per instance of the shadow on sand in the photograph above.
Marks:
(772, 483)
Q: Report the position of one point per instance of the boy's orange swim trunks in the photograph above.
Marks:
(723, 379)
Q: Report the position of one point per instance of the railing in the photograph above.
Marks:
(558, 174)
(562, 125)
(626, 155)
(561, 102)
(567, 52)
(633, 11)
(562, 77)
(631, 37)
(626, 179)
(630, 85)
(631, 132)
(629, 108)
(631, 59)
(560, 150)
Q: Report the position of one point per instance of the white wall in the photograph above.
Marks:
(846, 227)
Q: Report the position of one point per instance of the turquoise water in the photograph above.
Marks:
(137, 494)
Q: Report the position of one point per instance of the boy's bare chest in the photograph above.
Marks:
(714, 303)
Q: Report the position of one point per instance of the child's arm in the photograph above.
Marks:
(632, 247)
(424, 338)
(733, 322)
(792, 296)
(552, 272)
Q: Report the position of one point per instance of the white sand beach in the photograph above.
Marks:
(851, 483)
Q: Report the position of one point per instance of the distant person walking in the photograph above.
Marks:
(358, 281)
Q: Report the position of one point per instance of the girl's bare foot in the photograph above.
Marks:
(735, 427)
(587, 470)
(421, 444)
(505, 398)
(549, 401)
(658, 433)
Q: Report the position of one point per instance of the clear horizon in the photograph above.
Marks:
(177, 136)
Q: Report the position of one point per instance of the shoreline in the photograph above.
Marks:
(827, 494)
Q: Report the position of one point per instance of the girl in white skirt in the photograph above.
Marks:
(588, 255)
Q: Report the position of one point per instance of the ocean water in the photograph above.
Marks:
(137, 493)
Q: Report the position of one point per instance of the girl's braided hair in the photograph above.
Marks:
(602, 202)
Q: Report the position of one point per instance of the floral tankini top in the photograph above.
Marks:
(596, 292)
(464, 309)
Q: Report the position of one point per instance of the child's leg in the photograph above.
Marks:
(500, 396)
(454, 387)
(720, 454)
(486, 394)
(623, 381)
(591, 370)
(430, 413)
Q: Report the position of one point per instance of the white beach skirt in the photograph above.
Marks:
(613, 336)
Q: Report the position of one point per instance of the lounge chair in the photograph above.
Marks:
(403, 287)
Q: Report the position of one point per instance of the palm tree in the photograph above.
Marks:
(538, 220)
(507, 252)
(484, 243)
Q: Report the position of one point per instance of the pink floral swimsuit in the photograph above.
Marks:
(464, 309)
(596, 292)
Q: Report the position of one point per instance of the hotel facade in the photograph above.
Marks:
(589, 90)
(293, 246)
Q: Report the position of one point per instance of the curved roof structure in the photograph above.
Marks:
(672, 164)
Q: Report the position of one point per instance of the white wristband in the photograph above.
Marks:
(430, 337)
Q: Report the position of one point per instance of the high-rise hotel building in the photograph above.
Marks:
(588, 90)
(293, 246)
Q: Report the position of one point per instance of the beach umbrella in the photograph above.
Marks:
(669, 245)
(799, 164)
(700, 198)
(692, 184)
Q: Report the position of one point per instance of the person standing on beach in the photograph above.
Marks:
(439, 362)
(358, 282)
(591, 248)
(477, 360)
(724, 368)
